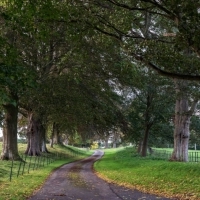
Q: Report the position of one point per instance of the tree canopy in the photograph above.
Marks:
(69, 62)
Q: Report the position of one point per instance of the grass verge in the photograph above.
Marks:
(160, 177)
(22, 187)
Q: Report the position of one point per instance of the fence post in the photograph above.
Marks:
(43, 160)
(19, 166)
(24, 164)
(195, 156)
(29, 164)
(191, 156)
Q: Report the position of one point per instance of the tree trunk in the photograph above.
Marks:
(148, 125)
(139, 148)
(182, 125)
(33, 136)
(52, 135)
(43, 147)
(181, 131)
(114, 145)
(145, 141)
(106, 143)
(56, 137)
(10, 148)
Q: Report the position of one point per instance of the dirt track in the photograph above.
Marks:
(76, 181)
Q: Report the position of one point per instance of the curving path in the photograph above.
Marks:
(76, 181)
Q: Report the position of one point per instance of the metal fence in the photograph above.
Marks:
(31, 163)
(162, 154)
(194, 156)
(28, 163)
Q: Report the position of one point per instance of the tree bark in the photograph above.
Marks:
(182, 124)
(10, 148)
(56, 136)
(106, 143)
(145, 141)
(33, 136)
(148, 125)
(52, 135)
(139, 148)
(115, 138)
(43, 147)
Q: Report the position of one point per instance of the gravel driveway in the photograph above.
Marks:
(76, 181)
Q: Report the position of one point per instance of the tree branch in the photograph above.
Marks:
(193, 107)
(166, 73)
(169, 15)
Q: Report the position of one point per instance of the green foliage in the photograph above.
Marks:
(151, 107)
(170, 179)
(14, 81)
(161, 35)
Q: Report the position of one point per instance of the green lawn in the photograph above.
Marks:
(171, 179)
(21, 187)
(122, 166)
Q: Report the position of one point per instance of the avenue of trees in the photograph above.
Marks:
(84, 69)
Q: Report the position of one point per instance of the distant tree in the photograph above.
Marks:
(151, 107)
